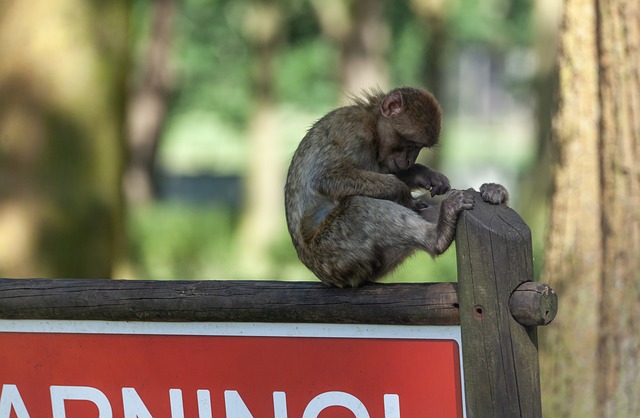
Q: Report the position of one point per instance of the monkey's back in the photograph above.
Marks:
(336, 140)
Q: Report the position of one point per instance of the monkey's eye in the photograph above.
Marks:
(414, 146)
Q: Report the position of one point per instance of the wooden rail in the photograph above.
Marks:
(249, 301)
(235, 301)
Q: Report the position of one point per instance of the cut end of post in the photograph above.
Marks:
(533, 304)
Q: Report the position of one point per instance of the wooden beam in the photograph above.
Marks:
(221, 301)
(533, 304)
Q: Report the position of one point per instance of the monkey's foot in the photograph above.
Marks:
(494, 193)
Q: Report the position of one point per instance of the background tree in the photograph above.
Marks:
(264, 197)
(537, 180)
(590, 365)
(433, 15)
(359, 30)
(618, 381)
(62, 72)
(148, 102)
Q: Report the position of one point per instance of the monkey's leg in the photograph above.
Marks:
(363, 239)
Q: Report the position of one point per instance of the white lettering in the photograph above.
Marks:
(279, 405)
(391, 406)
(204, 404)
(327, 399)
(175, 398)
(133, 405)
(10, 398)
(235, 406)
(59, 394)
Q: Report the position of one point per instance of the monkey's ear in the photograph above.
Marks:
(392, 104)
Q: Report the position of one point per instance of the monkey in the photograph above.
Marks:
(348, 202)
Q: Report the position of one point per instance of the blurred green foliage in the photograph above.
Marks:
(211, 103)
(499, 23)
(175, 241)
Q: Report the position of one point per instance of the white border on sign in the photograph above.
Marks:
(249, 329)
(244, 329)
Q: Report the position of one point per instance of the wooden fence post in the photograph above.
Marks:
(500, 356)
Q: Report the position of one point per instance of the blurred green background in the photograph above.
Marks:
(210, 98)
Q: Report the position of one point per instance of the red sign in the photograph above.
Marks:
(87, 375)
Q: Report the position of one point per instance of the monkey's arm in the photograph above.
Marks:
(420, 176)
(340, 182)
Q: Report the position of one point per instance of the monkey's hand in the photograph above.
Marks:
(493, 193)
(436, 183)
(455, 202)
(420, 176)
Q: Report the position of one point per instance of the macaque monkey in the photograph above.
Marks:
(349, 207)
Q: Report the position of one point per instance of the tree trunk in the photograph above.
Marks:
(537, 180)
(358, 28)
(574, 243)
(148, 104)
(589, 356)
(363, 64)
(264, 199)
(433, 16)
(62, 72)
(618, 383)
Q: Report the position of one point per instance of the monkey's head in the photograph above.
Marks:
(410, 121)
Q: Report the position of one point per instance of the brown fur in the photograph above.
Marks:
(348, 193)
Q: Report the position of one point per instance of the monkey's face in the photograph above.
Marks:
(401, 156)
(410, 121)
